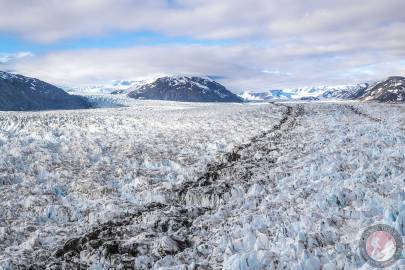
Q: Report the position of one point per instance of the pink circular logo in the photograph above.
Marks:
(381, 245)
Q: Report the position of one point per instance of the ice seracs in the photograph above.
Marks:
(169, 185)
(73, 170)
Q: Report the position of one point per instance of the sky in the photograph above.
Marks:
(245, 45)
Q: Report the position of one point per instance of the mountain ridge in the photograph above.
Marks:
(200, 89)
(185, 89)
(21, 93)
(391, 89)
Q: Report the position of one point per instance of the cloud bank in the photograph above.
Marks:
(275, 43)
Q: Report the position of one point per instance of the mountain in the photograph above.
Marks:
(20, 93)
(308, 93)
(350, 92)
(389, 90)
(183, 88)
(331, 92)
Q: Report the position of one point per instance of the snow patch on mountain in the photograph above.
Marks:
(32, 82)
(389, 90)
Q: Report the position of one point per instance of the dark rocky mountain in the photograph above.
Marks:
(186, 89)
(390, 90)
(20, 93)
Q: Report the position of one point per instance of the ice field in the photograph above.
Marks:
(166, 185)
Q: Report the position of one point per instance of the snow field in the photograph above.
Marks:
(63, 172)
(235, 186)
(335, 174)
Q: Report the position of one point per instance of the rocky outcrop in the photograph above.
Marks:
(390, 90)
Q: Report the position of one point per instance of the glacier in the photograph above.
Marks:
(168, 185)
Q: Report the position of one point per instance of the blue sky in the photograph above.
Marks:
(246, 45)
(13, 43)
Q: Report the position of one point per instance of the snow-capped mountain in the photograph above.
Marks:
(390, 90)
(115, 87)
(20, 93)
(266, 96)
(186, 89)
(346, 91)
(331, 92)
(307, 93)
(205, 90)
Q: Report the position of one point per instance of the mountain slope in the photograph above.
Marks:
(390, 90)
(20, 93)
(187, 89)
(308, 93)
(345, 92)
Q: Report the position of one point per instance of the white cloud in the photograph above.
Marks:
(278, 42)
(242, 67)
(49, 20)
(9, 57)
(275, 72)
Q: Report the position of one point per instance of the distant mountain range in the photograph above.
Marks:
(390, 90)
(116, 87)
(173, 88)
(20, 93)
(307, 93)
(183, 88)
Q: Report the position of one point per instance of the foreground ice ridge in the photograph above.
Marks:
(296, 196)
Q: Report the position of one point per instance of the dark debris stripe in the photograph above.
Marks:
(109, 236)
